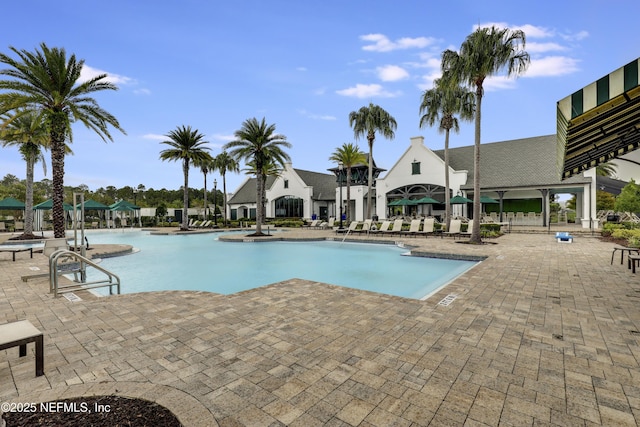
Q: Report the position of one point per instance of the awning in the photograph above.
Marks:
(48, 205)
(11, 204)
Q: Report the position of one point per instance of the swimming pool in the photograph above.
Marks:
(201, 262)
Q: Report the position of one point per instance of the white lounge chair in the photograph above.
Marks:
(352, 227)
(53, 245)
(384, 227)
(414, 227)
(428, 227)
(454, 228)
(397, 227)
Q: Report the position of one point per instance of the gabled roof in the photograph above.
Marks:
(324, 186)
(526, 162)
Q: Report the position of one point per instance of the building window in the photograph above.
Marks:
(415, 168)
(286, 183)
(289, 207)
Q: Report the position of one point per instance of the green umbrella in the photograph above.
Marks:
(487, 199)
(427, 201)
(48, 205)
(11, 204)
(403, 202)
(93, 205)
(459, 200)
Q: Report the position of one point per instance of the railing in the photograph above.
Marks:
(77, 264)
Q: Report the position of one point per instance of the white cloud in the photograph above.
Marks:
(381, 43)
(534, 47)
(551, 66)
(316, 116)
(367, 91)
(301, 69)
(495, 83)
(571, 37)
(142, 91)
(427, 79)
(154, 136)
(87, 73)
(392, 73)
(223, 137)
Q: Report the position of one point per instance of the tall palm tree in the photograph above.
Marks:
(225, 163)
(46, 81)
(187, 146)
(257, 142)
(365, 123)
(484, 53)
(349, 155)
(29, 133)
(206, 166)
(439, 105)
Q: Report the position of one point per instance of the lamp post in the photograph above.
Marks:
(215, 212)
(340, 167)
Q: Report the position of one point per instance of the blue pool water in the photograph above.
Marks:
(200, 262)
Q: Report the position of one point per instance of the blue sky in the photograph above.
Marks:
(303, 66)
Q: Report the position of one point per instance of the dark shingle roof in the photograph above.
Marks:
(527, 162)
(324, 187)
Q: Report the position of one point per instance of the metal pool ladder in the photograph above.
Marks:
(77, 265)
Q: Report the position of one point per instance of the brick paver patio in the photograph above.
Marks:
(540, 333)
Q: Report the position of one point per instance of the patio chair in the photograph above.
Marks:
(2, 227)
(384, 227)
(414, 227)
(352, 227)
(18, 225)
(454, 228)
(397, 227)
(313, 224)
(469, 230)
(428, 227)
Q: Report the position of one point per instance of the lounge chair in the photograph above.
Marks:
(428, 227)
(414, 227)
(454, 228)
(384, 227)
(205, 224)
(352, 228)
(313, 224)
(469, 229)
(2, 227)
(366, 227)
(397, 227)
(18, 225)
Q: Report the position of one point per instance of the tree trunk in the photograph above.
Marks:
(58, 132)
(348, 195)
(259, 197)
(370, 178)
(185, 197)
(447, 196)
(224, 198)
(28, 203)
(205, 198)
(475, 234)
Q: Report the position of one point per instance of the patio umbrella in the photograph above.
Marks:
(11, 204)
(48, 205)
(426, 200)
(459, 200)
(403, 202)
(487, 199)
(123, 206)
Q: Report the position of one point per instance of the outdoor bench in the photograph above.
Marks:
(21, 333)
(632, 261)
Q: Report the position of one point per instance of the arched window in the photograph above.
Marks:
(289, 207)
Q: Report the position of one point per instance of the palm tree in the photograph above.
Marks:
(484, 53)
(439, 105)
(606, 169)
(187, 145)
(365, 122)
(349, 155)
(225, 163)
(257, 142)
(29, 132)
(206, 166)
(46, 81)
